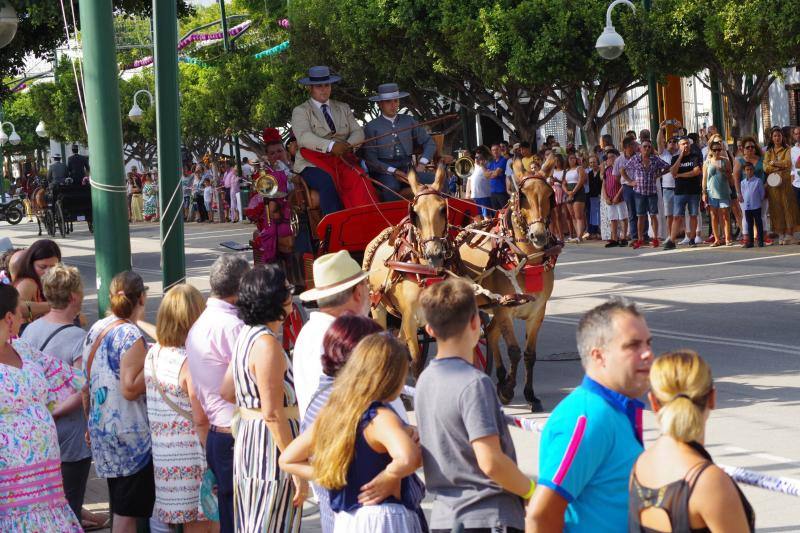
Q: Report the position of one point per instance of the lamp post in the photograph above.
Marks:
(14, 139)
(135, 114)
(8, 24)
(610, 46)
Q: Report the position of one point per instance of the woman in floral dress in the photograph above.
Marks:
(31, 385)
(177, 422)
(150, 193)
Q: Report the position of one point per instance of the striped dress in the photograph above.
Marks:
(178, 459)
(262, 492)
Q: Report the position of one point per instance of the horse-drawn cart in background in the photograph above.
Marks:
(58, 206)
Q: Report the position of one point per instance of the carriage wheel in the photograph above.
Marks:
(59, 220)
(50, 223)
(14, 212)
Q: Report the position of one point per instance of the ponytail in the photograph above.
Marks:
(124, 293)
(681, 419)
(681, 382)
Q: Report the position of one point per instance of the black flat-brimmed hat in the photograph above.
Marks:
(388, 91)
(319, 75)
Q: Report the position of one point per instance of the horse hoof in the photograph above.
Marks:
(529, 397)
(502, 394)
(536, 406)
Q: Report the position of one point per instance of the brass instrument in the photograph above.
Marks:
(464, 165)
(266, 185)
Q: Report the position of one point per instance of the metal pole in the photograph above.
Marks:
(109, 207)
(55, 80)
(227, 45)
(168, 135)
(717, 116)
(652, 91)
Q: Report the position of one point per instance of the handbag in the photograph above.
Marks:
(175, 407)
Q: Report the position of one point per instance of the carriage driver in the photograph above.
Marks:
(389, 157)
(326, 126)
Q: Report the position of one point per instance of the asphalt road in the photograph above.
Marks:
(740, 309)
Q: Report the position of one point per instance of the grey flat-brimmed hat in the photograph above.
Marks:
(388, 91)
(319, 75)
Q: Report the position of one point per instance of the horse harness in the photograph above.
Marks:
(505, 255)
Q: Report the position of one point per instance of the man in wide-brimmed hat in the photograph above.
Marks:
(389, 158)
(339, 286)
(323, 125)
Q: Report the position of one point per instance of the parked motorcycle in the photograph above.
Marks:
(12, 211)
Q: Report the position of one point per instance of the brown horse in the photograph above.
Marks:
(520, 239)
(401, 257)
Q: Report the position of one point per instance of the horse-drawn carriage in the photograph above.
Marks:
(407, 245)
(58, 206)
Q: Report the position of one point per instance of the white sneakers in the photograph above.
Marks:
(698, 240)
(685, 241)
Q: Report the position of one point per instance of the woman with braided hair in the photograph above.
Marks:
(675, 485)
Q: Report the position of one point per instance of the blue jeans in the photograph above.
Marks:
(629, 195)
(320, 180)
(219, 454)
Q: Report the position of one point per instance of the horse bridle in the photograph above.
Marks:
(516, 210)
(443, 239)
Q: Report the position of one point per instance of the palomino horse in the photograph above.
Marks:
(506, 255)
(401, 257)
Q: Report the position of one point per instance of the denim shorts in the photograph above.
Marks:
(669, 201)
(682, 201)
(646, 204)
(716, 203)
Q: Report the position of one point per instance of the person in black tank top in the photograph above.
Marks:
(682, 395)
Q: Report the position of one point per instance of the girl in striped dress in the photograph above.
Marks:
(265, 498)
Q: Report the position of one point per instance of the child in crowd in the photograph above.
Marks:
(360, 449)
(467, 453)
(753, 195)
(612, 196)
(208, 196)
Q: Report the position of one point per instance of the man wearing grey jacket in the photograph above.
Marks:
(389, 157)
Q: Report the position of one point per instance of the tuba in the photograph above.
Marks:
(464, 165)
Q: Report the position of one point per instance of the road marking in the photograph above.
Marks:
(629, 257)
(725, 341)
(638, 289)
(680, 267)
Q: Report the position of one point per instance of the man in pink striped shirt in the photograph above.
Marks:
(593, 437)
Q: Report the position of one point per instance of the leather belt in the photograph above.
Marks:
(218, 429)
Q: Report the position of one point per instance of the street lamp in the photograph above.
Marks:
(40, 129)
(135, 114)
(14, 138)
(8, 24)
(610, 43)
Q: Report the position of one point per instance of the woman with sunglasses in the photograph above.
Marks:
(717, 192)
(752, 155)
(784, 214)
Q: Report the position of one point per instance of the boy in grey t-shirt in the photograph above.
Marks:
(467, 452)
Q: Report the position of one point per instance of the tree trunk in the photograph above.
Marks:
(744, 114)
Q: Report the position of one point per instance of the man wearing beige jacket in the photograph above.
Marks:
(325, 126)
